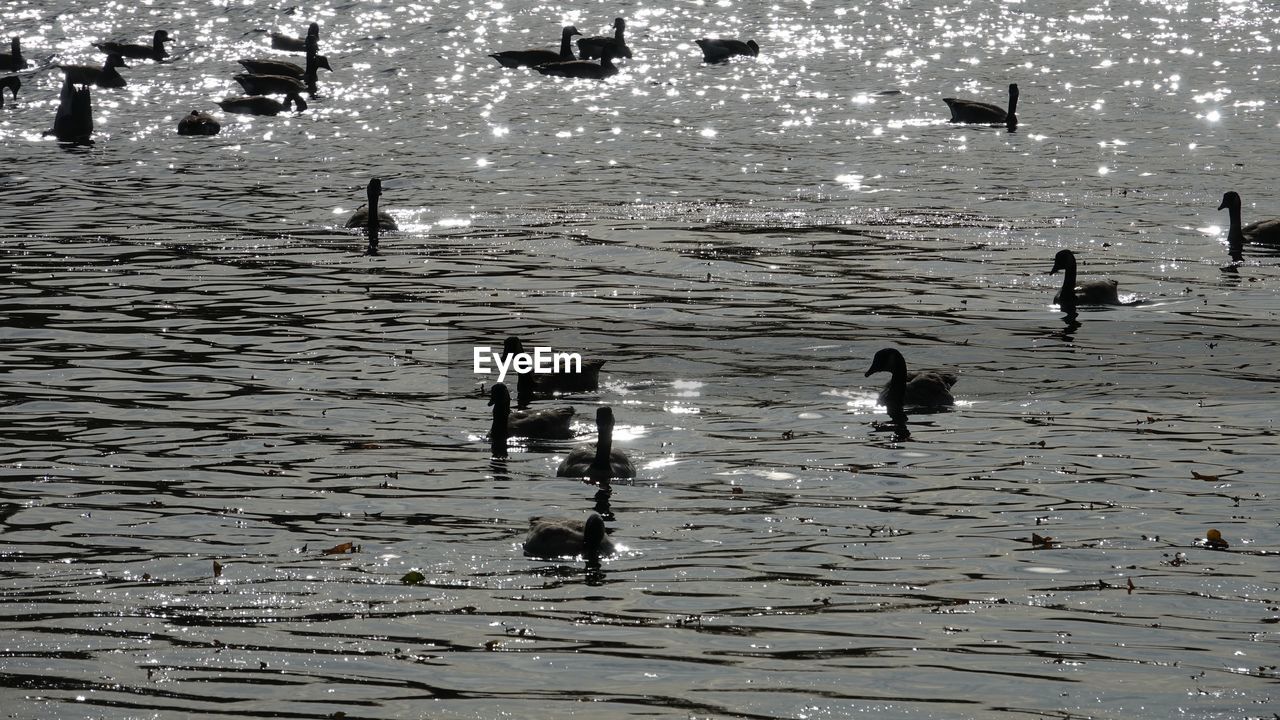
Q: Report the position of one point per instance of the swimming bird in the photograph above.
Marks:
(198, 123)
(154, 51)
(373, 220)
(280, 41)
(1263, 232)
(584, 68)
(601, 461)
(270, 84)
(12, 83)
(13, 59)
(716, 50)
(267, 66)
(973, 111)
(1089, 292)
(261, 105)
(593, 47)
(549, 424)
(73, 123)
(561, 537)
(909, 389)
(104, 77)
(531, 58)
(529, 384)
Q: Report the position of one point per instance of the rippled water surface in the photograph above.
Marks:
(210, 389)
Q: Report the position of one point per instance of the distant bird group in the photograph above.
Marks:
(273, 76)
(600, 463)
(73, 121)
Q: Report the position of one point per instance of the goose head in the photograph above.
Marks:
(1065, 260)
(887, 360)
(593, 535)
(1230, 201)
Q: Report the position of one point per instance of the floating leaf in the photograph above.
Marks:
(1041, 541)
(1132, 587)
(1213, 539)
(344, 548)
(217, 569)
(413, 577)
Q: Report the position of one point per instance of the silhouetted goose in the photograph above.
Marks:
(13, 59)
(270, 84)
(198, 123)
(549, 424)
(73, 122)
(361, 217)
(565, 537)
(544, 384)
(154, 51)
(715, 50)
(973, 111)
(531, 58)
(104, 77)
(12, 83)
(260, 105)
(1263, 232)
(584, 68)
(907, 389)
(280, 41)
(593, 47)
(1073, 293)
(267, 66)
(600, 461)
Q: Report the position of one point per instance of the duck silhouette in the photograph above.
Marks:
(590, 48)
(600, 461)
(154, 51)
(977, 112)
(565, 537)
(718, 50)
(532, 58)
(1262, 232)
(1073, 293)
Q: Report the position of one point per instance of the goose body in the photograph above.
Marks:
(1073, 293)
(532, 58)
(363, 216)
(73, 122)
(564, 537)
(974, 111)
(288, 43)
(267, 66)
(549, 424)
(198, 123)
(907, 389)
(584, 68)
(10, 83)
(261, 105)
(104, 77)
(13, 59)
(601, 461)
(590, 48)
(154, 51)
(270, 84)
(529, 385)
(1262, 232)
(716, 50)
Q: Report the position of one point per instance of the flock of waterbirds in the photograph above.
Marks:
(601, 463)
(263, 78)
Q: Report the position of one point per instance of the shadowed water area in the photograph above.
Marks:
(230, 433)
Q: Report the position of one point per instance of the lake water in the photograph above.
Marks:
(204, 369)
